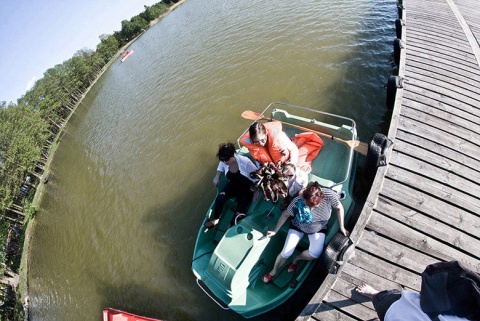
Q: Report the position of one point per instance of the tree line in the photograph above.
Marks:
(29, 128)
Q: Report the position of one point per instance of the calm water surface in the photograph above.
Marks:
(132, 176)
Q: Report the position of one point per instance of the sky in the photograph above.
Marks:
(38, 34)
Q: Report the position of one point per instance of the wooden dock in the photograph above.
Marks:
(424, 206)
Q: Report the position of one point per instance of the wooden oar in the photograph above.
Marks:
(358, 146)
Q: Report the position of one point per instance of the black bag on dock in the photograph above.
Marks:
(449, 288)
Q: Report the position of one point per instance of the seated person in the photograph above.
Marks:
(308, 213)
(266, 142)
(296, 180)
(237, 169)
(396, 305)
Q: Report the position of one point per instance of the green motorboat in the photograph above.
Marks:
(229, 262)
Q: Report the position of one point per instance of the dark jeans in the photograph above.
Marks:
(383, 300)
(244, 198)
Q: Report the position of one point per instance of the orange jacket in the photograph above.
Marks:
(309, 145)
(273, 151)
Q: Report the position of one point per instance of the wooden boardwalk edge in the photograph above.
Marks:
(424, 206)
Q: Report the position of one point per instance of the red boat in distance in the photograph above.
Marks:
(110, 314)
(126, 54)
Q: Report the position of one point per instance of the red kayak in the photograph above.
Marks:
(110, 314)
(126, 54)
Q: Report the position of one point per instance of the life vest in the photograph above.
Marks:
(273, 151)
(309, 145)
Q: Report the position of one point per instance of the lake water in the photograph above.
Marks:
(132, 177)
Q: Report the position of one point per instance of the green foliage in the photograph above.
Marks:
(132, 28)
(27, 126)
(107, 47)
(39, 114)
(153, 12)
(23, 132)
(29, 210)
(4, 227)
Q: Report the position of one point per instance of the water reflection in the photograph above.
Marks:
(132, 176)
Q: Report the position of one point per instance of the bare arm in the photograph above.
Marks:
(216, 179)
(281, 220)
(341, 216)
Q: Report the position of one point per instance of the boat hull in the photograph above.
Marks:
(126, 55)
(110, 314)
(230, 262)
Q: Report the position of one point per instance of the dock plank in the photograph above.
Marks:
(423, 181)
(451, 214)
(348, 306)
(437, 60)
(420, 241)
(385, 269)
(442, 137)
(439, 40)
(392, 252)
(327, 313)
(441, 78)
(425, 47)
(470, 100)
(441, 110)
(437, 150)
(462, 129)
(432, 47)
(432, 227)
(424, 206)
(458, 73)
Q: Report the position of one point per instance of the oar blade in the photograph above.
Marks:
(248, 114)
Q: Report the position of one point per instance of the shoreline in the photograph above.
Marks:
(22, 290)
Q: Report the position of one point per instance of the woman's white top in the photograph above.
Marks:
(245, 165)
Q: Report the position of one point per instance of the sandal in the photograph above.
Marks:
(210, 224)
(267, 278)
(292, 268)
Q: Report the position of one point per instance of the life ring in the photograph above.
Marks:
(393, 83)
(376, 154)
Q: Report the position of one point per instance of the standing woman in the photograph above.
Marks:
(309, 213)
(237, 169)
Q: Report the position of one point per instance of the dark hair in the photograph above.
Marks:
(225, 151)
(255, 129)
(313, 194)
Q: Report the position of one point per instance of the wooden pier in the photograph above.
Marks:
(424, 206)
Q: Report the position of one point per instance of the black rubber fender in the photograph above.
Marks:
(398, 27)
(400, 8)
(376, 157)
(393, 83)
(397, 49)
(333, 253)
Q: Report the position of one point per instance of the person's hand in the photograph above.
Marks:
(270, 233)
(216, 180)
(344, 231)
